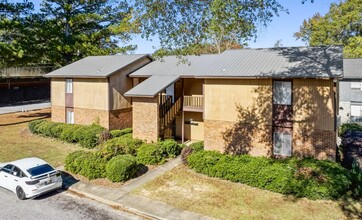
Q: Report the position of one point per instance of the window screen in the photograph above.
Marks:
(70, 116)
(69, 86)
(282, 93)
(282, 144)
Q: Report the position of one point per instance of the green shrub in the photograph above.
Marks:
(349, 127)
(33, 125)
(120, 145)
(314, 179)
(150, 154)
(88, 136)
(197, 146)
(169, 148)
(68, 133)
(88, 164)
(121, 168)
(192, 148)
(119, 133)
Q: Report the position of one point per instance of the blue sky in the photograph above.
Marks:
(281, 28)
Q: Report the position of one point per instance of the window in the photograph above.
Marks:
(356, 85)
(7, 169)
(68, 86)
(282, 93)
(282, 144)
(356, 110)
(41, 169)
(70, 116)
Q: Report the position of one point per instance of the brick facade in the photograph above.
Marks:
(119, 119)
(314, 143)
(58, 113)
(146, 119)
(236, 138)
(88, 116)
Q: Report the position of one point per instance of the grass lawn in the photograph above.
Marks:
(17, 142)
(186, 189)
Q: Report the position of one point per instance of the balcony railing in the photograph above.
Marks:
(193, 103)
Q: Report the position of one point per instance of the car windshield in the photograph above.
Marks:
(35, 171)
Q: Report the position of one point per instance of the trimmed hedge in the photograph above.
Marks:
(349, 127)
(314, 179)
(157, 153)
(87, 136)
(150, 154)
(121, 168)
(119, 133)
(192, 148)
(120, 145)
(88, 164)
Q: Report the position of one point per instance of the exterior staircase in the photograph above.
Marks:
(168, 113)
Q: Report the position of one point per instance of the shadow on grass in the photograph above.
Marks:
(38, 115)
(350, 207)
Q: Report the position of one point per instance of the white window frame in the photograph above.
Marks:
(284, 87)
(69, 116)
(69, 86)
(356, 110)
(283, 150)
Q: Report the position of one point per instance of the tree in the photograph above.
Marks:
(79, 28)
(342, 25)
(185, 25)
(64, 31)
(11, 22)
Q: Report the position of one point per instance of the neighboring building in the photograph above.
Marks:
(265, 102)
(24, 84)
(350, 91)
(92, 90)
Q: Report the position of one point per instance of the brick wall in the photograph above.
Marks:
(320, 144)
(236, 138)
(58, 113)
(119, 119)
(88, 116)
(145, 119)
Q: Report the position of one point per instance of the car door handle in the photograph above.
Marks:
(5, 176)
(16, 180)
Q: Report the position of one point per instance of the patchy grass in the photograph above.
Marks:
(17, 142)
(186, 189)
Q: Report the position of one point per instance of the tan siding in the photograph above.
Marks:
(223, 96)
(193, 86)
(90, 94)
(194, 131)
(119, 83)
(313, 103)
(58, 92)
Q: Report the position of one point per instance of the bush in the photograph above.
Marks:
(119, 133)
(87, 136)
(120, 145)
(121, 168)
(349, 127)
(150, 154)
(192, 148)
(169, 148)
(314, 179)
(88, 164)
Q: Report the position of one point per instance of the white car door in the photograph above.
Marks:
(14, 179)
(5, 176)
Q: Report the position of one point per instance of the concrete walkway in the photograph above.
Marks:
(24, 108)
(121, 197)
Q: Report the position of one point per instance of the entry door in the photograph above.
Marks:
(282, 118)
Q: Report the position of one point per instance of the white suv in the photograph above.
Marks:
(29, 177)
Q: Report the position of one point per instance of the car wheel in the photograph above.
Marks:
(20, 193)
